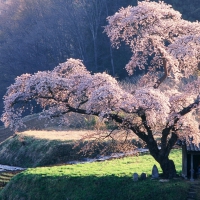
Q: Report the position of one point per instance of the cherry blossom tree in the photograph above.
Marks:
(160, 40)
(151, 29)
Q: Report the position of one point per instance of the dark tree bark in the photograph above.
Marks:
(168, 167)
(162, 157)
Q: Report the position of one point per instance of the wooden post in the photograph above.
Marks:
(191, 169)
(184, 162)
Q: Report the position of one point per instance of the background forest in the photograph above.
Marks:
(37, 35)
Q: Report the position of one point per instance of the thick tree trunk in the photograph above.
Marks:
(167, 165)
(161, 155)
(168, 168)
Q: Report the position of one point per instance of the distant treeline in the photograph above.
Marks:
(37, 35)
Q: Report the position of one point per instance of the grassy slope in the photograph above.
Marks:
(28, 152)
(99, 181)
(41, 148)
(31, 149)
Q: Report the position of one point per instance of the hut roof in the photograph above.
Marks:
(193, 147)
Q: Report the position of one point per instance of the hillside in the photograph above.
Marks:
(31, 149)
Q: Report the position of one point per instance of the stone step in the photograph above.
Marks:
(193, 196)
(194, 187)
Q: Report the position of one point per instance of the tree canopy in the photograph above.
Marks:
(158, 37)
(162, 42)
(38, 35)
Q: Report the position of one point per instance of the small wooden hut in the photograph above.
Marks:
(190, 160)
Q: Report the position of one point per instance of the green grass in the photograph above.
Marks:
(109, 180)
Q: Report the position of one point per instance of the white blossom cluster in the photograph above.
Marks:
(70, 87)
(156, 30)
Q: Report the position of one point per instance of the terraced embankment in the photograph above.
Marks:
(6, 176)
(6, 173)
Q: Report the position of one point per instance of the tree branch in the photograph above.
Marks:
(166, 73)
(187, 109)
(164, 136)
(171, 142)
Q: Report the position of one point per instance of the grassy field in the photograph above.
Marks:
(109, 180)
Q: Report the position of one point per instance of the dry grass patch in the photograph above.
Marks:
(72, 135)
(57, 135)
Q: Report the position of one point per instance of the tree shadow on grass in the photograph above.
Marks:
(42, 187)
